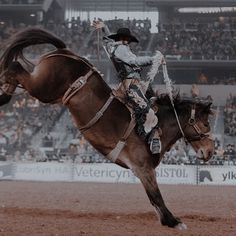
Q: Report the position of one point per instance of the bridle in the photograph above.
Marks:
(193, 123)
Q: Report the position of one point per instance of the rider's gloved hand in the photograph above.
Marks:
(98, 24)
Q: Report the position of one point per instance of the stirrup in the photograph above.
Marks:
(155, 146)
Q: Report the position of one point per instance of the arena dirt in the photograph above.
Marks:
(74, 209)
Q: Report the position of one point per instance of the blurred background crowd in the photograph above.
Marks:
(212, 40)
(32, 131)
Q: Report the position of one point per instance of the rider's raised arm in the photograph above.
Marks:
(99, 24)
(124, 53)
(108, 43)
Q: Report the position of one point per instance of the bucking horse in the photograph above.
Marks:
(63, 77)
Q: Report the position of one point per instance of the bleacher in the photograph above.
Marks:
(194, 50)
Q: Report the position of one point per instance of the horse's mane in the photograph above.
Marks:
(183, 102)
(164, 99)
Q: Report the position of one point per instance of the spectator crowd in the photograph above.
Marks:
(230, 116)
(24, 117)
(209, 41)
(212, 41)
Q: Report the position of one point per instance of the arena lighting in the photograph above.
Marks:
(2, 22)
(32, 15)
(206, 9)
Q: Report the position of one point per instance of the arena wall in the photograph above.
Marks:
(111, 173)
(219, 93)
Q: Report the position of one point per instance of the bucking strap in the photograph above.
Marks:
(113, 155)
(98, 115)
(75, 87)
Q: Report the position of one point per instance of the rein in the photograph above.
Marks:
(192, 121)
(167, 80)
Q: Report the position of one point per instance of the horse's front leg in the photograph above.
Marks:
(148, 178)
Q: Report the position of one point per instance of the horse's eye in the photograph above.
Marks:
(206, 125)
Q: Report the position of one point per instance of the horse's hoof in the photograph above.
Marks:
(181, 226)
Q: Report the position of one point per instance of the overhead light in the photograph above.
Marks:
(206, 9)
(32, 15)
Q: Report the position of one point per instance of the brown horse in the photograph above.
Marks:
(102, 118)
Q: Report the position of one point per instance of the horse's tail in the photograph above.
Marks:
(23, 39)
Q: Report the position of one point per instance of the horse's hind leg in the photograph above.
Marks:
(4, 99)
(8, 90)
(16, 74)
(148, 178)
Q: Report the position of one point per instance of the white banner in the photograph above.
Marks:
(110, 173)
(105, 173)
(45, 171)
(176, 174)
(217, 175)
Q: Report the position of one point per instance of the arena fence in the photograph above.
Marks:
(110, 173)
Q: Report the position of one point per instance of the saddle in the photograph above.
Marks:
(119, 93)
(142, 119)
(139, 118)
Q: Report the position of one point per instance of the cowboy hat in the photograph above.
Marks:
(123, 32)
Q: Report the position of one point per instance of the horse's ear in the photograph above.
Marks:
(208, 108)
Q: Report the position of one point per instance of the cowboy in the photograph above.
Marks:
(128, 67)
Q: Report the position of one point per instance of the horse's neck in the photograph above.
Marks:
(168, 123)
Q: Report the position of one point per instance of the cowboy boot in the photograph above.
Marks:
(155, 142)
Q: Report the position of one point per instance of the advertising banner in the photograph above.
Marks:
(43, 171)
(105, 173)
(217, 175)
(176, 174)
(111, 173)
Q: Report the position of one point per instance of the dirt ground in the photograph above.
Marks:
(71, 209)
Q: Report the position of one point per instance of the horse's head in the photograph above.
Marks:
(197, 130)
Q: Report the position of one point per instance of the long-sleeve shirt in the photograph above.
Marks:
(127, 64)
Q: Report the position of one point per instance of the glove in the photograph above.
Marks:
(98, 24)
